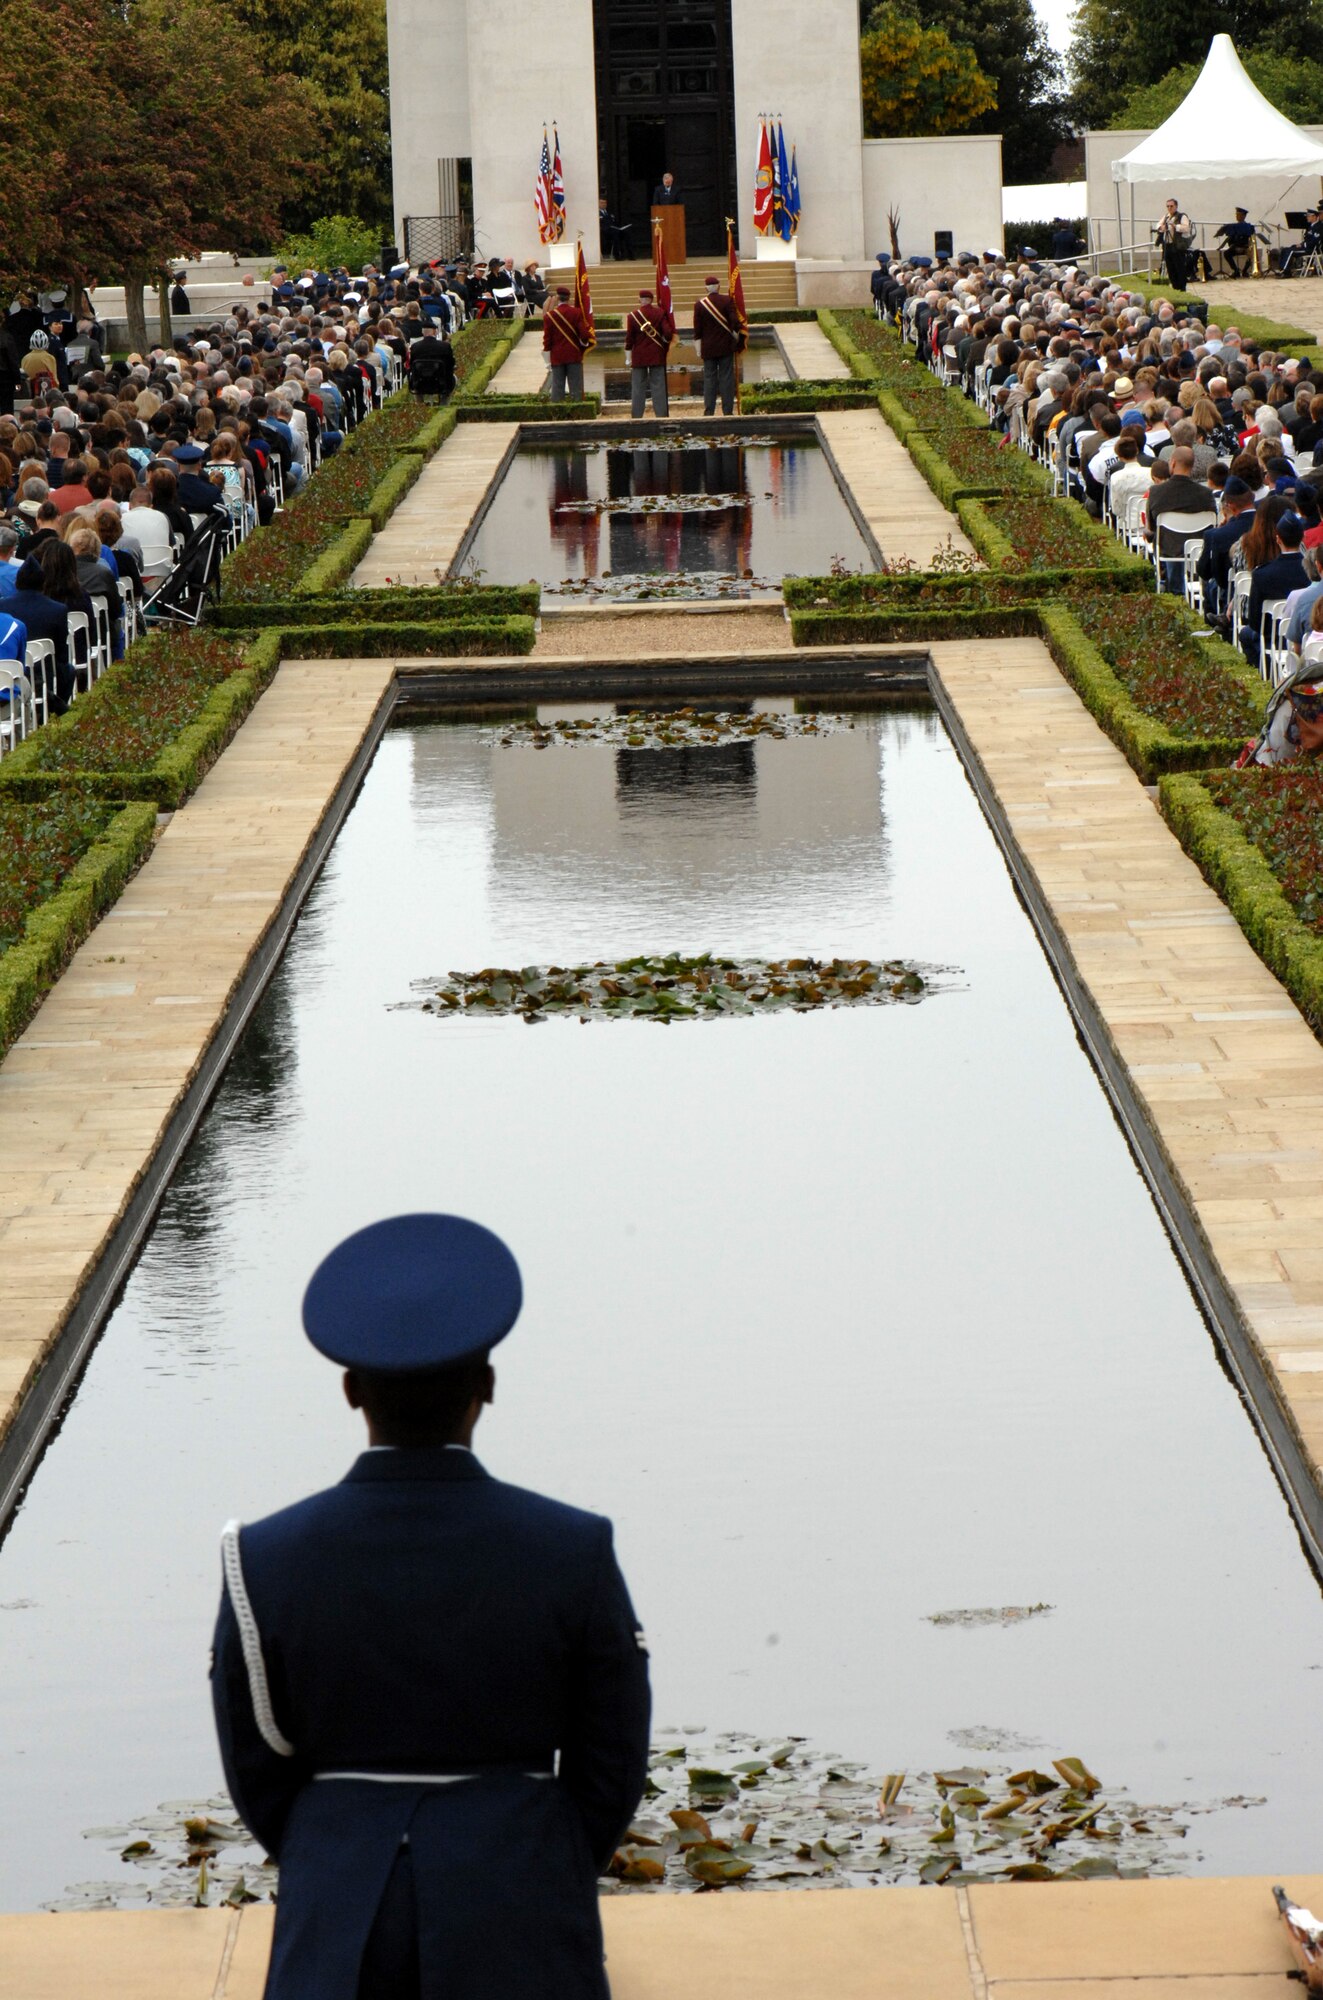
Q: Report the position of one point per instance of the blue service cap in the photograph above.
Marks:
(189, 454)
(412, 1293)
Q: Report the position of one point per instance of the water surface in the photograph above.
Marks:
(847, 1318)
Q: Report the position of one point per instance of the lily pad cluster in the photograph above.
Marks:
(185, 1854)
(640, 587)
(672, 441)
(658, 503)
(675, 988)
(764, 1815)
(670, 729)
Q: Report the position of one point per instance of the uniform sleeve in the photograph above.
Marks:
(604, 1758)
(262, 1783)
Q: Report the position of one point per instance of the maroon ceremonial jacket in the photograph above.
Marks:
(649, 331)
(564, 334)
(717, 326)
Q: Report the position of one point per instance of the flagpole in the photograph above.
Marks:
(731, 267)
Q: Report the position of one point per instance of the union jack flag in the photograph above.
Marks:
(543, 197)
(557, 192)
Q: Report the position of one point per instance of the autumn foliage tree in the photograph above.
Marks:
(916, 80)
(139, 133)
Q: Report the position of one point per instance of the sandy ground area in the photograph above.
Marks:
(615, 636)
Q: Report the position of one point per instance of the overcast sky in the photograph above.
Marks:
(1055, 17)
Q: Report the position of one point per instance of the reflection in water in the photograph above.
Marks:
(707, 780)
(710, 518)
(819, 1309)
(606, 372)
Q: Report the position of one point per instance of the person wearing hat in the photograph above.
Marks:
(1214, 564)
(649, 331)
(1238, 239)
(430, 1687)
(565, 341)
(719, 337)
(1175, 232)
(195, 492)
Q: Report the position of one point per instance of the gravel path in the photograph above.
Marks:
(644, 635)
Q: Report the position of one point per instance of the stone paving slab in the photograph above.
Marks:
(809, 352)
(1228, 1070)
(1163, 1940)
(87, 1091)
(904, 514)
(524, 369)
(423, 535)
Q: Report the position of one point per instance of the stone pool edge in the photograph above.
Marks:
(1178, 1939)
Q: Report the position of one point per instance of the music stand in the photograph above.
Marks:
(1296, 218)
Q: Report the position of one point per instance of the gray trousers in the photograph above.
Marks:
(645, 382)
(719, 380)
(566, 380)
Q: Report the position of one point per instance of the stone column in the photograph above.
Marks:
(803, 62)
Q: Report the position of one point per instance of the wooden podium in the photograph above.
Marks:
(670, 214)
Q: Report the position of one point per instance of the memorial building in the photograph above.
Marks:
(635, 88)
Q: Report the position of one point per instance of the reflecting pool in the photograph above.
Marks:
(674, 515)
(851, 1319)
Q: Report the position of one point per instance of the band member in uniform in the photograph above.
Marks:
(1310, 244)
(718, 337)
(1176, 233)
(565, 339)
(1238, 239)
(431, 1691)
(649, 331)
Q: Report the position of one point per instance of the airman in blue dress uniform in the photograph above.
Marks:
(431, 1690)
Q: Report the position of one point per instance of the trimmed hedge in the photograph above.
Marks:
(55, 927)
(144, 731)
(452, 638)
(969, 464)
(392, 489)
(803, 394)
(1026, 534)
(1242, 877)
(334, 566)
(455, 603)
(894, 626)
(924, 590)
(494, 409)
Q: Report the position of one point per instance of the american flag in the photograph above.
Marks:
(557, 192)
(542, 198)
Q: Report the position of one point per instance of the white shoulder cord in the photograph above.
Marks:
(251, 1641)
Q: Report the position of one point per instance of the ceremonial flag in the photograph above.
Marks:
(735, 283)
(662, 270)
(793, 196)
(762, 182)
(557, 190)
(583, 298)
(781, 219)
(542, 193)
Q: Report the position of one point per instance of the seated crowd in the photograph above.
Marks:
(1168, 428)
(109, 467)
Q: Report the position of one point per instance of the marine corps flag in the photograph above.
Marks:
(583, 298)
(557, 190)
(762, 181)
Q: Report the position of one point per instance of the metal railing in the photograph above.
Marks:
(449, 237)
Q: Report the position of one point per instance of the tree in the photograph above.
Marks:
(1294, 86)
(916, 81)
(1013, 51)
(339, 48)
(1118, 49)
(134, 151)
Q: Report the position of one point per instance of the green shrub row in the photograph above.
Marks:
(1247, 885)
(54, 926)
(803, 394)
(493, 409)
(448, 638)
(441, 603)
(152, 726)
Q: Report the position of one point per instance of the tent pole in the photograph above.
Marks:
(1133, 238)
(1120, 231)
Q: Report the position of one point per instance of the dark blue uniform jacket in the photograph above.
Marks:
(424, 1618)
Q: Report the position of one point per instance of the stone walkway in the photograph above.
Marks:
(1288, 301)
(901, 509)
(525, 369)
(1228, 1070)
(423, 535)
(1168, 1940)
(87, 1091)
(809, 351)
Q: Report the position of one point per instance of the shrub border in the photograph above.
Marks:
(56, 927)
(1243, 878)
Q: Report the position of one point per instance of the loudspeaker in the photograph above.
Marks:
(943, 242)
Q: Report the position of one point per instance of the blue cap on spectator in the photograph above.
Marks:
(1291, 530)
(1132, 416)
(189, 454)
(1236, 489)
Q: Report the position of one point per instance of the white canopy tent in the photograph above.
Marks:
(1223, 129)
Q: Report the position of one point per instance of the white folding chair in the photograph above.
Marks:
(102, 652)
(1194, 583)
(1172, 533)
(15, 705)
(40, 658)
(275, 474)
(1240, 594)
(129, 604)
(81, 656)
(1274, 654)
